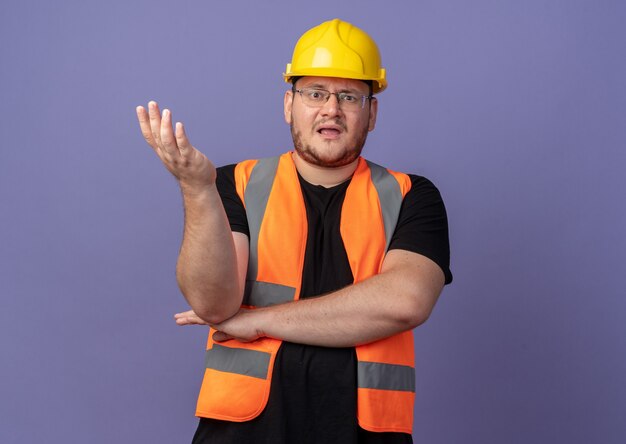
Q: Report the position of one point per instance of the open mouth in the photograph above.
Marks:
(330, 132)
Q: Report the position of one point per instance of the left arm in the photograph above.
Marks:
(400, 298)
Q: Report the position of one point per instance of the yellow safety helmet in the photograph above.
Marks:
(337, 49)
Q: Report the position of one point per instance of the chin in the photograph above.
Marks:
(315, 158)
(315, 154)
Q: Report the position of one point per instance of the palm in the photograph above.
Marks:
(191, 167)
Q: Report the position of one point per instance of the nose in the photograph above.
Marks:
(331, 108)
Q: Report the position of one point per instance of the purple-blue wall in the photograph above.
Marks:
(515, 109)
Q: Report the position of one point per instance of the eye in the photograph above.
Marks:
(349, 98)
(315, 95)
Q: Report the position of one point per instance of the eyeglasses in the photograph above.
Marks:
(316, 98)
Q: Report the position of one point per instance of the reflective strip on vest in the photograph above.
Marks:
(255, 197)
(389, 196)
(264, 294)
(238, 360)
(376, 375)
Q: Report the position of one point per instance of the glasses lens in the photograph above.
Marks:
(318, 97)
(314, 97)
(350, 100)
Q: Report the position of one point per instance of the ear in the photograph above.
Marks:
(287, 104)
(373, 113)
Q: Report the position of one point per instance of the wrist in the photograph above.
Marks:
(197, 191)
(263, 322)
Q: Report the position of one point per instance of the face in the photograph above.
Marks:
(329, 136)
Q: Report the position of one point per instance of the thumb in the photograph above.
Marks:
(220, 336)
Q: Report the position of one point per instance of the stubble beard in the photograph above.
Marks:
(309, 154)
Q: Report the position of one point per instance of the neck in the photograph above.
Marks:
(326, 177)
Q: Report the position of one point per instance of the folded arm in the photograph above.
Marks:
(400, 298)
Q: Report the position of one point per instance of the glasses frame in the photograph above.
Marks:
(340, 97)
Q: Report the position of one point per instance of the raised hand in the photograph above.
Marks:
(193, 169)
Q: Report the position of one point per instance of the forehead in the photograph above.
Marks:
(333, 84)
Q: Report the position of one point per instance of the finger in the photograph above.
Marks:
(168, 141)
(189, 321)
(184, 313)
(144, 124)
(220, 336)
(188, 318)
(155, 121)
(181, 139)
(182, 318)
(182, 321)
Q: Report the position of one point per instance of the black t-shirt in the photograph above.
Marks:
(313, 393)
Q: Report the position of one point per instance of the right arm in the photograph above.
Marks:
(212, 261)
(207, 270)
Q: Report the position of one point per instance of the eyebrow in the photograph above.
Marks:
(345, 90)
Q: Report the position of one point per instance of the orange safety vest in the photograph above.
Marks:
(236, 383)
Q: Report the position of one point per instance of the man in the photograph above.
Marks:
(312, 267)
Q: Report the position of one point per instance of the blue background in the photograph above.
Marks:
(516, 110)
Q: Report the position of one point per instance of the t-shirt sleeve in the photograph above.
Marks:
(423, 225)
(235, 210)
